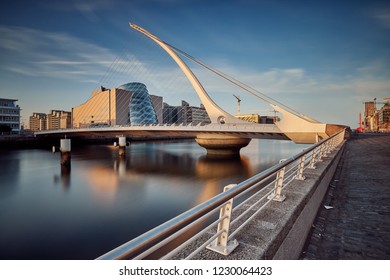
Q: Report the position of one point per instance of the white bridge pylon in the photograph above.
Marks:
(216, 114)
(298, 128)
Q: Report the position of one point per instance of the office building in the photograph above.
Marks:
(172, 114)
(10, 115)
(157, 102)
(194, 115)
(129, 104)
(38, 121)
(185, 114)
(371, 117)
(58, 119)
(105, 107)
(55, 119)
(384, 116)
(255, 118)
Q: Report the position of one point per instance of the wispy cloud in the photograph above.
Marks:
(41, 54)
(47, 54)
(327, 97)
(90, 9)
(35, 53)
(383, 17)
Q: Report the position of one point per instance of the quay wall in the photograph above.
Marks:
(291, 246)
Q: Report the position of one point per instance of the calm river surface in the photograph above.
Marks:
(101, 202)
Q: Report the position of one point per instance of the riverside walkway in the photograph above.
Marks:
(355, 224)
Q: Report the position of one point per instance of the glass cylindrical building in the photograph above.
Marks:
(140, 108)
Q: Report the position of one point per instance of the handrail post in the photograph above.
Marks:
(332, 144)
(330, 147)
(337, 139)
(277, 194)
(312, 164)
(321, 153)
(326, 149)
(221, 244)
(340, 137)
(301, 166)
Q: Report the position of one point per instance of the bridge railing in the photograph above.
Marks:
(257, 192)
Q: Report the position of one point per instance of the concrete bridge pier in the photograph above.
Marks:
(222, 145)
(65, 149)
(122, 146)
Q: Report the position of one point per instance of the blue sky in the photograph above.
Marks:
(323, 58)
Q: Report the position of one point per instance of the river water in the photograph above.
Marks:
(51, 212)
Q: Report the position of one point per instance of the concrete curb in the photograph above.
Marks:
(293, 243)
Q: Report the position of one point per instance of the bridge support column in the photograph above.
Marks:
(222, 145)
(65, 149)
(122, 146)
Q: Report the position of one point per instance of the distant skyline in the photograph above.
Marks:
(323, 59)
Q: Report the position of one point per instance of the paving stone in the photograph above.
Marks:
(358, 227)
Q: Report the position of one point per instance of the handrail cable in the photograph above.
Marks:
(232, 80)
(240, 84)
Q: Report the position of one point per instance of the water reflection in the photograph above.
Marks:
(64, 178)
(105, 200)
(9, 171)
(103, 183)
(128, 171)
(212, 168)
(154, 170)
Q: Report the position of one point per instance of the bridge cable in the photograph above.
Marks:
(240, 84)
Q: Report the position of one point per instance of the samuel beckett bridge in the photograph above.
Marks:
(253, 216)
(223, 133)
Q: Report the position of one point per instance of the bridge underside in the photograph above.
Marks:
(223, 140)
(266, 131)
(155, 132)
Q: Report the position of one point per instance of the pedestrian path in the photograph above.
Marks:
(354, 220)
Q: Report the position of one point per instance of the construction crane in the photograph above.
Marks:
(360, 129)
(238, 103)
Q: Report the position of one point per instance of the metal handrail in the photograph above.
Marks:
(146, 241)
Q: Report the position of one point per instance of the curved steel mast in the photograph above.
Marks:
(216, 114)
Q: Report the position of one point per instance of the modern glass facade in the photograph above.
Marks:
(140, 107)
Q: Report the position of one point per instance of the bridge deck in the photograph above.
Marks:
(260, 131)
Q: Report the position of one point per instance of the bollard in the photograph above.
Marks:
(65, 150)
(122, 146)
